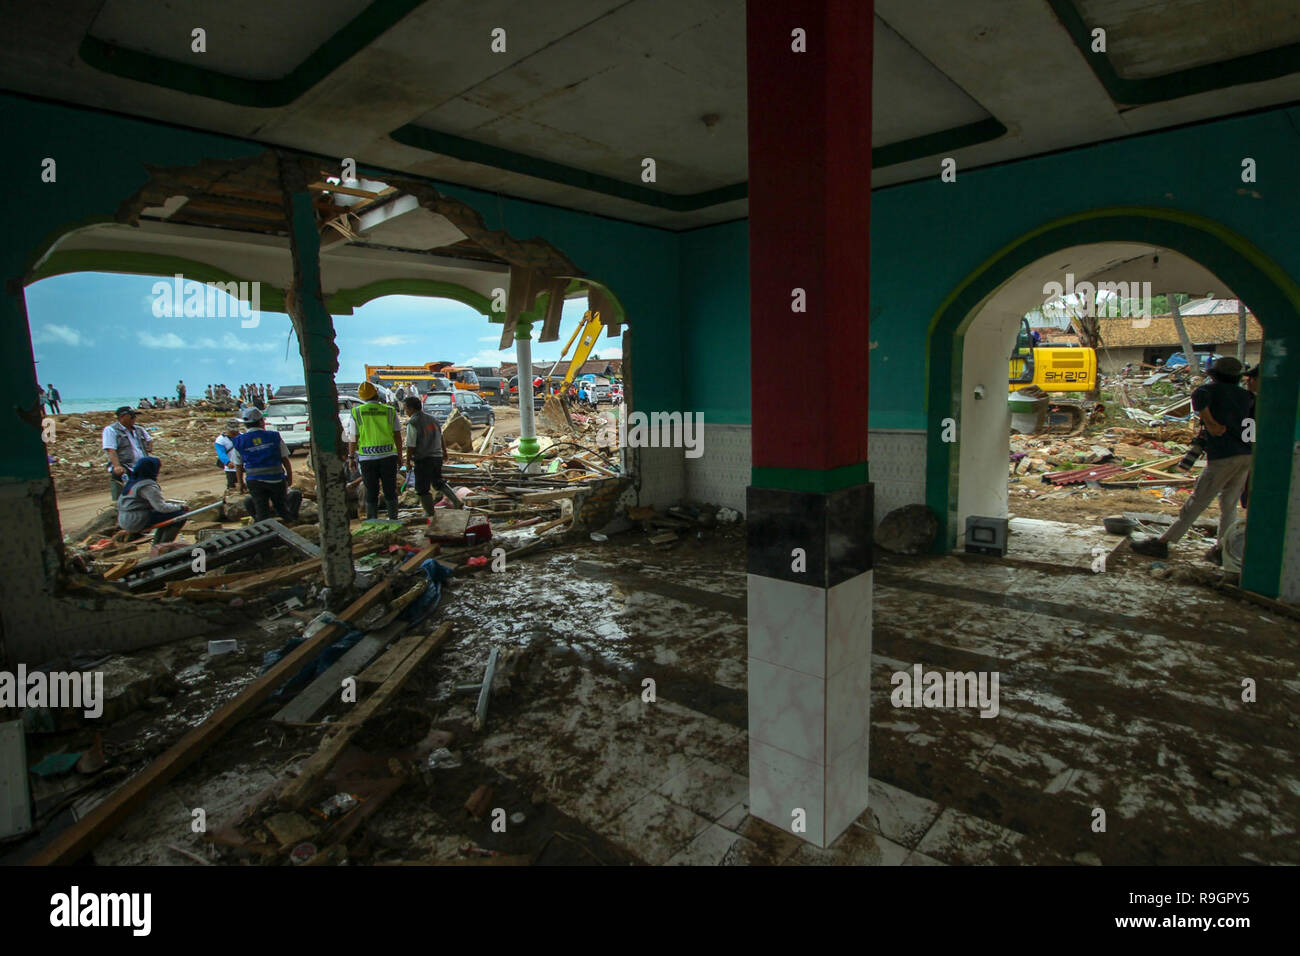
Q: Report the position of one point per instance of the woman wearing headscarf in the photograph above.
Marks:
(142, 504)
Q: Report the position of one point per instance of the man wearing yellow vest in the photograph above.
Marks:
(378, 448)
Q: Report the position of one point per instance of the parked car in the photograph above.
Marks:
(494, 390)
(289, 418)
(471, 405)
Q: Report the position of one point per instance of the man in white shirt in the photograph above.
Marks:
(124, 443)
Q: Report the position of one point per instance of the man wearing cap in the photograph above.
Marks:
(263, 470)
(225, 444)
(377, 445)
(1223, 406)
(124, 443)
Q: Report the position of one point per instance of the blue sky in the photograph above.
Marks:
(95, 334)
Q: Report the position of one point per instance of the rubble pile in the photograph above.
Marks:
(182, 438)
(1145, 450)
(1162, 396)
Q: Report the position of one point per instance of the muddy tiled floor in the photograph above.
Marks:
(1119, 695)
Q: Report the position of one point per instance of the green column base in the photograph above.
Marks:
(528, 449)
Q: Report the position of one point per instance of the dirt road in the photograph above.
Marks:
(76, 509)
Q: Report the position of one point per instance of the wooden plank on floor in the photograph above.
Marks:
(79, 839)
(317, 694)
(299, 790)
(382, 669)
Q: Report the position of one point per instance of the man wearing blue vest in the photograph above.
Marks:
(262, 468)
(378, 448)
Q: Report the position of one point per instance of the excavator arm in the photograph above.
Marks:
(586, 335)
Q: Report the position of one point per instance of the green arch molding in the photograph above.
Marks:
(344, 301)
(145, 264)
(1274, 298)
(357, 34)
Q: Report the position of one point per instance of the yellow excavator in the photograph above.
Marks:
(1051, 369)
(1036, 371)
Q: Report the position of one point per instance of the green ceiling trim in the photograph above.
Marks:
(933, 144)
(1250, 68)
(146, 264)
(358, 33)
(1274, 297)
(458, 147)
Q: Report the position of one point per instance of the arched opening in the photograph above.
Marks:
(235, 222)
(961, 346)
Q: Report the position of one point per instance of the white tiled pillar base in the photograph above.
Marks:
(809, 703)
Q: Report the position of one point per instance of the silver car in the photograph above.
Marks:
(289, 418)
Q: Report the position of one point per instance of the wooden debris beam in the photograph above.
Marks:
(84, 835)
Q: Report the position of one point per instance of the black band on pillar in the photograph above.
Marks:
(833, 529)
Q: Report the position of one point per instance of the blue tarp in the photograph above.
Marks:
(417, 611)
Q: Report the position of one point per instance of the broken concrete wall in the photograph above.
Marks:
(661, 476)
(41, 622)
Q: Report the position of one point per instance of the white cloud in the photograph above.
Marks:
(489, 338)
(59, 335)
(168, 340)
(230, 342)
(391, 340)
(227, 343)
(490, 357)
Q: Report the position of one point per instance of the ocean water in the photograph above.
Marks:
(94, 404)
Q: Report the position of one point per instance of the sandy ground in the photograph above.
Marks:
(78, 508)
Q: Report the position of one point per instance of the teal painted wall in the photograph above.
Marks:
(715, 317)
(927, 237)
(686, 294)
(99, 163)
(101, 160)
